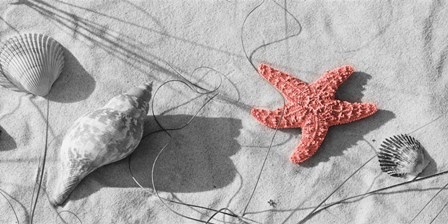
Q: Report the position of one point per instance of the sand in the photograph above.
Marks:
(398, 49)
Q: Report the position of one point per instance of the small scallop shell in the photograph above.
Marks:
(402, 156)
(30, 63)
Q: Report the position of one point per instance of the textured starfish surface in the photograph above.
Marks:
(310, 106)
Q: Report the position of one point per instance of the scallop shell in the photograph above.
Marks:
(101, 137)
(31, 63)
(402, 156)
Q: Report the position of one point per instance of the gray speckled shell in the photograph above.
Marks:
(402, 156)
(98, 138)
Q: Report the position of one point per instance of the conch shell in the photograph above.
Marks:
(101, 137)
(31, 63)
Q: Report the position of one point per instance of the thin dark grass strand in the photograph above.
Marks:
(205, 91)
(220, 211)
(11, 206)
(413, 131)
(379, 190)
(190, 85)
(313, 212)
(249, 59)
(35, 185)
(180, 105)
(313, 206)
(307, 217)
(92, 32)
(2, 192)
(43, 162)
(263, 164)
(384, 188)
(67, 211)
(54, 208)
(429, 123)
(242, 34)
(440, 211)
(172, 201)
(421, 210)
(427, 203)
(435, 195)
(281, 39)
(178, 128)
(172, 210)
(41, 171)
(189, 121)
(188, 82)
(160, 152)
(232, 214)
(166, 145)
(157, 193)
(210, 69)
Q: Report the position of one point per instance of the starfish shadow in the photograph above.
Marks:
(351, 90)
(196, 160)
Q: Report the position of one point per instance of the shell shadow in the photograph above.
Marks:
(7, 142)
(196, 160)
(432, 166)
(74, 84)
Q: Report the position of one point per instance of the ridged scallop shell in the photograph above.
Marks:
(402, 156)
(31, 63)
(103, 136)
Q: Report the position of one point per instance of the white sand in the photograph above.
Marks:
(399, 50)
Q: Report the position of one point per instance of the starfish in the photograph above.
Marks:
(311, 107)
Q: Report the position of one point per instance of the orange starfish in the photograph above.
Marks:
(312, 107)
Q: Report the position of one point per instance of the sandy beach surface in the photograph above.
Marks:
(399, 50)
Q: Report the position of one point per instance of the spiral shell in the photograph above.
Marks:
(402, 156)
(103, 136)
(31, 63)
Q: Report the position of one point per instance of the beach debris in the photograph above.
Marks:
(103, 136)
(402, 156)
(272, 203)
(312, 107)
(30, 63)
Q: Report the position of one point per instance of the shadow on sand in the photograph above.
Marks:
(74, 83)
(197, 159)
(6, 141)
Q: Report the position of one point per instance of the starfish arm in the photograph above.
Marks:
(331, 80)
(272, 118)
(313, 134)
(346, 112)
(288, 85)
